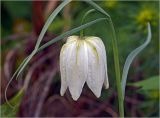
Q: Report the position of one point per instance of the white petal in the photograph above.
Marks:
(106, 82)
(100, 43)
(76, 69)
(63, 57)
(96, 68)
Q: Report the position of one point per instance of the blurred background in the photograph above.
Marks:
(21, 23)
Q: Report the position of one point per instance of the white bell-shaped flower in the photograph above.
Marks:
(83, 60)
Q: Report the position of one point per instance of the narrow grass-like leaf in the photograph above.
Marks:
(25, 63)
(98, 8)
(44, 29)
(10, 108)
(49, 21)
(18, 68)
(68, 33)
(12, 79)
(130, 58)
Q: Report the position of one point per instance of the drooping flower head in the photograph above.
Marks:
(83, 60)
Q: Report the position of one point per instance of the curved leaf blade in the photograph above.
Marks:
(145, 84)
(130, 58)
(44, 29)
(10, 108)
(49, 21)
(151, 92)
(97, 7)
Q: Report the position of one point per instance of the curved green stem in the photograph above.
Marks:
(117, 69)
(83, 19)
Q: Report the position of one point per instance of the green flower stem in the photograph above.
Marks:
(117, 69)
(83, 19)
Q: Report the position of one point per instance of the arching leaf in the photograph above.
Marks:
(130, 58)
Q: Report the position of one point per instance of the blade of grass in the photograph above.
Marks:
(44, 29)
(11, 81)
(11, 108)
(25, 63)
(49, 21)
(130, 58)
(97, 7)
(18, 68)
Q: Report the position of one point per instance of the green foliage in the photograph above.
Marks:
(8, 111)
(149, 87)
(154, 81)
